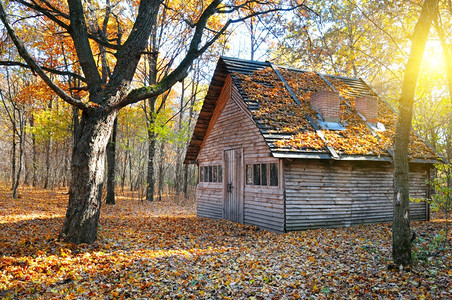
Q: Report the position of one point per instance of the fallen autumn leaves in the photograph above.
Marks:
(161, 250)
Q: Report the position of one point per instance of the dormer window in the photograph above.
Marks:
(326, 104)
(367, 106)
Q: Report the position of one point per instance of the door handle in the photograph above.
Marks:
(229, 187)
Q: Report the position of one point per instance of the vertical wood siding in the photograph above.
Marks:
(344, 194)
(231, 127)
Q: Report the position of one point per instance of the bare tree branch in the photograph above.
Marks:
(194, 51)
(50, 70)
(52, 15)
(380, 28)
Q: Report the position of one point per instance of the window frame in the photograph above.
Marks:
(264, 171)
(212, 173)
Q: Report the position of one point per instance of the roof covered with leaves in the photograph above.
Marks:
(278, 99)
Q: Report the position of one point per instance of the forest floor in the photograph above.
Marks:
(149, 250)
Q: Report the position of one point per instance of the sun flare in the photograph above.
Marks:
(433, 57)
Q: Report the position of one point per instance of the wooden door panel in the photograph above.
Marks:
(233, 185)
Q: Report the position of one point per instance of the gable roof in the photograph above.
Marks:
(278, 99)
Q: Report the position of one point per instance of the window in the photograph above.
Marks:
(273, 174)
(206, 174)
(211, 173)
(249, 174)
(257, 174)
(201, 174)
(262, 174)
(220, 174)
(215, 174)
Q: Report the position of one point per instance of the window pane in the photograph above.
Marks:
(214, 170)
(249, 174)
(257, 174)
(220, 173)
(210, 174)
(263, 174)
(201, 174)
(273, 174)
(206, 174)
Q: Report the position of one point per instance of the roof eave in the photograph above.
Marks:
(326, 156)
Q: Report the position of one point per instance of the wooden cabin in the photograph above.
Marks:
(286, 149)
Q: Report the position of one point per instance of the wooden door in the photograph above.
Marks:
(233, 185)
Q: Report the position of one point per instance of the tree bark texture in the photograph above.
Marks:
(111, 165)
(401, 233)
(88, 159)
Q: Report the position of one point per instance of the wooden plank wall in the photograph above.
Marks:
(233, 128)
(320, 194)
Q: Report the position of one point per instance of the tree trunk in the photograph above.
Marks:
(150, 178)
(401, 233)
(129, 153)
(160, 186)
(180, 148)
(111, 163)
(88, 159)
(21, 154)
(186, 170)
(123, 175)
(34, 181)
(13, 155)
(47, 173)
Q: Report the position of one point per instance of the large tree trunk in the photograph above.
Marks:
(88, 159)
(111, 165)
(401, 233)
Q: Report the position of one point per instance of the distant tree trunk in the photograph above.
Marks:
(180, 148)
(160, 187)
(47, 157)
(13, 155)
(21, 154)
(47, 161)
(194, 92)
(111, 164)
(27, 168)
(152, 79)
(34, 181)
(130, 170)
(401, 233)
(150, 176)
(88, 159)
(124, 173)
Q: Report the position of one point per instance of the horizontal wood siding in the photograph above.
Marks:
(320, 194)
(232, 127)
(264, 207)
(419, 190)
(210, 200)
